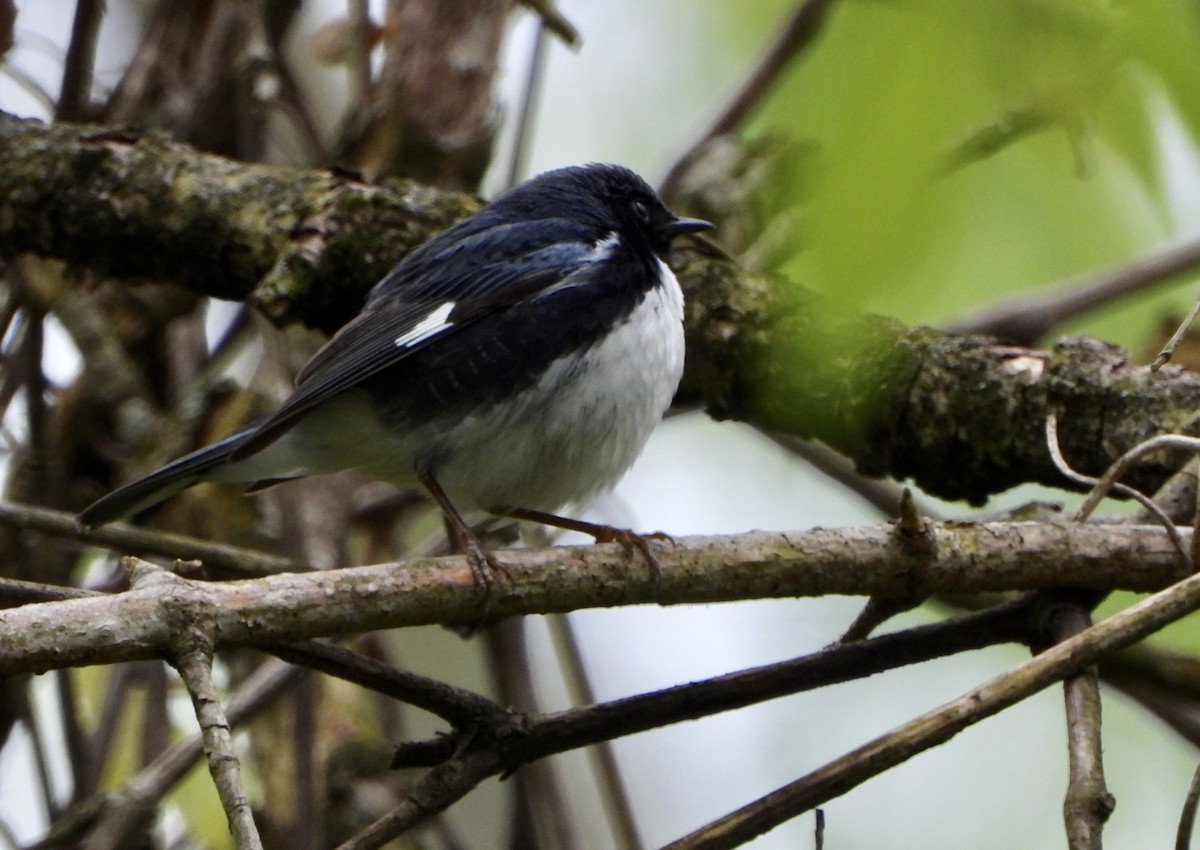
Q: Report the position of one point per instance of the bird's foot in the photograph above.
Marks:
(631, 541)
(484, 567)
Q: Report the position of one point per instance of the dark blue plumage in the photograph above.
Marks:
(519, 359)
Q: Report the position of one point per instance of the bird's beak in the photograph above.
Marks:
(688, 225)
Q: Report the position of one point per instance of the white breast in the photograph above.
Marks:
(573, 434)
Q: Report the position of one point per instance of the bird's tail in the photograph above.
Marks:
(161, 484)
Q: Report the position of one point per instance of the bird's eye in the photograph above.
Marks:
(641, 211)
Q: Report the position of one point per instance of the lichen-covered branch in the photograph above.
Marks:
(962, 416)
(301, 244)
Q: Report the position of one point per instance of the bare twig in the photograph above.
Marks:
(192, 650)
(1187, 817)
(1168, 350)
(31, 86)
(995, 136)
(799, 33)
(143, 541)
(882, 495)
(1088, 802)
(1029, 319)
(612, 787)
(75, 93)
(542, 806)
(111, 820)
(461, 708)
(552, 20)
(360, 40)
(8, 20)
(195, 668)
(518, 162)
(1124, 463)
(544, 736)
(1108, 483)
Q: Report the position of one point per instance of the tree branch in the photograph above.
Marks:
(190, 650)
(940, 725)
(960, 558)
(961, 416)
(1088, 803)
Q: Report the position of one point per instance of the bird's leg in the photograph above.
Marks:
(484, 566)
(629, 540)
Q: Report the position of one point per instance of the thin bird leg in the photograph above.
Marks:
(629, 540)
(484, 567)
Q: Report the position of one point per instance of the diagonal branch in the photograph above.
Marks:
(940, 725)
(555, 733)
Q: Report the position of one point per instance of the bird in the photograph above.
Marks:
(515, 363)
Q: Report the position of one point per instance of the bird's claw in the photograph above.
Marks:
(631, 541)
(484, 570)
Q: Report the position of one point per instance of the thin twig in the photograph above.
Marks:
(542, 805)
(518, 162)
(195, 668)
(460, 707)
(1029, 319)
(1107, 483)
(612, 787)
(882, 495)
(551, 19)
(190, 651)
(1124, 463)
(799, 33)
(1088, 802)
(1187, 817)
(1168, 350)
(129, 539)
(75, 92)
(112, 820)
(30, 85)
(114, 714)
(361, 41)
(993, 137)
(41, 761)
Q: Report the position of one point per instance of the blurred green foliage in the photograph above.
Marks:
(954, 154)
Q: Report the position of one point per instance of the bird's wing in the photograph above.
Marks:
(427, 299)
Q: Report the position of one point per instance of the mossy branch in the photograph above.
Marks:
(962, 416)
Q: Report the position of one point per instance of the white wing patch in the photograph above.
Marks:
(432, 324)
(603, 248)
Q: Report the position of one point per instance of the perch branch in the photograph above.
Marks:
(959, 558)
(960, 415)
